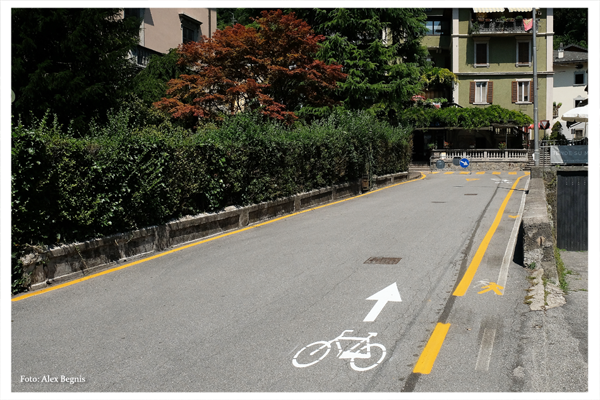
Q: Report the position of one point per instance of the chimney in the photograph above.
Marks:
(561, 51)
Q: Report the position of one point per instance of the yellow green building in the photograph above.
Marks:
(490, 50)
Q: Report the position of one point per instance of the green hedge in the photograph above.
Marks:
(67, 189)
(421, 117)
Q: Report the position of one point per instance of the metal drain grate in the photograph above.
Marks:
(438, 202)
(383, 260)
(470, 194)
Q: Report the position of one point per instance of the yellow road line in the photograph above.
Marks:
(512, 173)
(465, 173)
(480, 173)
(496, 173)
(465, 282)
(431, 350)
(62, 285)
(448, 173)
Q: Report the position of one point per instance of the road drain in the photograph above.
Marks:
(438, 202)
(383, 260)
(470, 194)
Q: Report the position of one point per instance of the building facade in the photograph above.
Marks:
(570, 87)
(490, 50)
(162, 29)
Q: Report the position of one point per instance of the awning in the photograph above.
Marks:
(488, 9)
(578, 114)
(520, 9)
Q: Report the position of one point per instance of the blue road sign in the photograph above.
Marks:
(464, 163)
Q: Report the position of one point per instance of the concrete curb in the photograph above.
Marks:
(76, 260)
(538, 241)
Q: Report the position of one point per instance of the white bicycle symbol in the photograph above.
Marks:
(315, 352)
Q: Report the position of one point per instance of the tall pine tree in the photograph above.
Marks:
(380, 50)
(70, 61)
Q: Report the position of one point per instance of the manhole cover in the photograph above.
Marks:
(383, 260)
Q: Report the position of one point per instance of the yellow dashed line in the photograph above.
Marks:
(431, 350)
(496, 173)
(465, 173)
(448, 173)
(512, 173)
(480, 173)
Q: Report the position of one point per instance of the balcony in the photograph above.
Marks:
(511, 21)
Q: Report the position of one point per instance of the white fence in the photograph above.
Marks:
(510, 155)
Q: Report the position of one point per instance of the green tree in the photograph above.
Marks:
(71, 61)
(570, 26)
(380, 50)
(231, 16)
(150, 85)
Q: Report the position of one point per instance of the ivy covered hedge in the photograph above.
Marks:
(421, 117)
(67, 189)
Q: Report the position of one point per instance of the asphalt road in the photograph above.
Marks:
(233, 314)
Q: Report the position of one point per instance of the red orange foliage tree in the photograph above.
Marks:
(272, 68)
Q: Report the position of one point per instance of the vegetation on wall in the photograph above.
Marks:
(420, 117)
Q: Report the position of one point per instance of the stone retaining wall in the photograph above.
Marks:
(76, 260)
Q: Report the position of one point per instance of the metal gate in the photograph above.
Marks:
(572, 210)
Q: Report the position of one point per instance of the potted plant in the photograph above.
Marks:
(502, 145)
(519, 20)
(474, 28)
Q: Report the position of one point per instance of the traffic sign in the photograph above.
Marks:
(464, 163)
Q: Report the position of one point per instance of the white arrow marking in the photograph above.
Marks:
(390, 293)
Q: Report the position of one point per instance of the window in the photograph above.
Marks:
(579, 78)
(481, 54)
(436, 27)
(579, 102)
(481, 92)
(522, 92)
(577, 133)
(523, 54)
(190, 28)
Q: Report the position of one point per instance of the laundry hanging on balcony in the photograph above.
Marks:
(528, 24)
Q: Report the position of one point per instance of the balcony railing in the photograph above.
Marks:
(141, 55)
(497, 26)
(507, 155)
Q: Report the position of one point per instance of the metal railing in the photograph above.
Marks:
(497, 26)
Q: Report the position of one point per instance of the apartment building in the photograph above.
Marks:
(162, 29)
(490, 50)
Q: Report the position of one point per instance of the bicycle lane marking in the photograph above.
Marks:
(108, 271)
(430, 352)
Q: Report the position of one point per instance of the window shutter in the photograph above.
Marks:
(490, 92)
(472, 93)
(531, 92)
(514, 91)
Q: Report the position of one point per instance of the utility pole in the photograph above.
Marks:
(536, 152)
